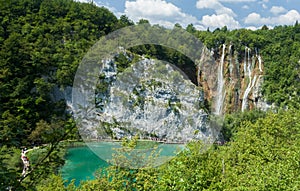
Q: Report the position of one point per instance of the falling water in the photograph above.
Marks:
(259, 63)
(249, 63)
(221, 82)
(230, 60)
(248, 70)
(245, 61)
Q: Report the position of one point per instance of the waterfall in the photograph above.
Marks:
(260, 63)
(249, 63)
(245, 61)
(248, 70)
(247, 91)
(230, 60)
(221, 82)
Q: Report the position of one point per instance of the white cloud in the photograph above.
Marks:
(285, 19)
(89, 1)
(157, 12)
(252, 18)
(215, 21)
(264, 6)
(264, 3)
(224, 16)
(289, 18)
(151, 8)
(215, 5)
(277, 10)
(245, 7)
(200, 27)
(253, 28)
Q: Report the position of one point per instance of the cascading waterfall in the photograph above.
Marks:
(259, 60)
(248, 70)
(235, 86)
(221, 82)
(230, 61)
(245, 61)
(259, 63)
(249, 63)
(247, 91)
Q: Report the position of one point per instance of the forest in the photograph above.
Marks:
(42, 43)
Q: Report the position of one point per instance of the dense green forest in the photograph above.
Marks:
(43, 41)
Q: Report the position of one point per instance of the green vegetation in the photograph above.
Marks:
(278, 47)
(263, 155)
(170, 55)
(42, 43)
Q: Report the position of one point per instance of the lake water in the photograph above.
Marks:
(83, 162)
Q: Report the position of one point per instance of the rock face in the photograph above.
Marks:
(237, 83)
(153, 99)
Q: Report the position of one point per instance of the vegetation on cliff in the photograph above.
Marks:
(42, 43)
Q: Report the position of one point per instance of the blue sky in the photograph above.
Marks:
(202, 14)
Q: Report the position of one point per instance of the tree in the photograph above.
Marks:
(191, 29)
(124, 21)
(261, 155)
(224, 29)
(177, 25)
(42, 44)
(264, 27)
(143, 21)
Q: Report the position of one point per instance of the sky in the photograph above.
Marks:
(212, 14)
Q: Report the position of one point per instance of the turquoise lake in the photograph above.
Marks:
(82, 162)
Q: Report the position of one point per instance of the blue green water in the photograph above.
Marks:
(82, 162)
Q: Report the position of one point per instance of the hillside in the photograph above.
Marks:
(257, 85)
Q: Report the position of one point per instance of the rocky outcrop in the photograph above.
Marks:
(236, 83)
(152, 99)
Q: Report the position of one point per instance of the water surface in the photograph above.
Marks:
(82, 162)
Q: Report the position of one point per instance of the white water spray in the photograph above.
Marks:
(230, 60)
(259, 63)
(248, 70)
(221, 83)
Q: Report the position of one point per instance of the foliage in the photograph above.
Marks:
(119, 176)
(263, 155)
(10, 167)
(233, 122)
(56, 183)
(170, 55)
(279, 48)
(42, 43)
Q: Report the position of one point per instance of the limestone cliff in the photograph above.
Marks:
(157, 100)
(236, 80)
(153, 99)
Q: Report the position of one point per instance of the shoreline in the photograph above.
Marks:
(74, 144)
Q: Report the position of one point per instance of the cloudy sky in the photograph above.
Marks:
(202, 14)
